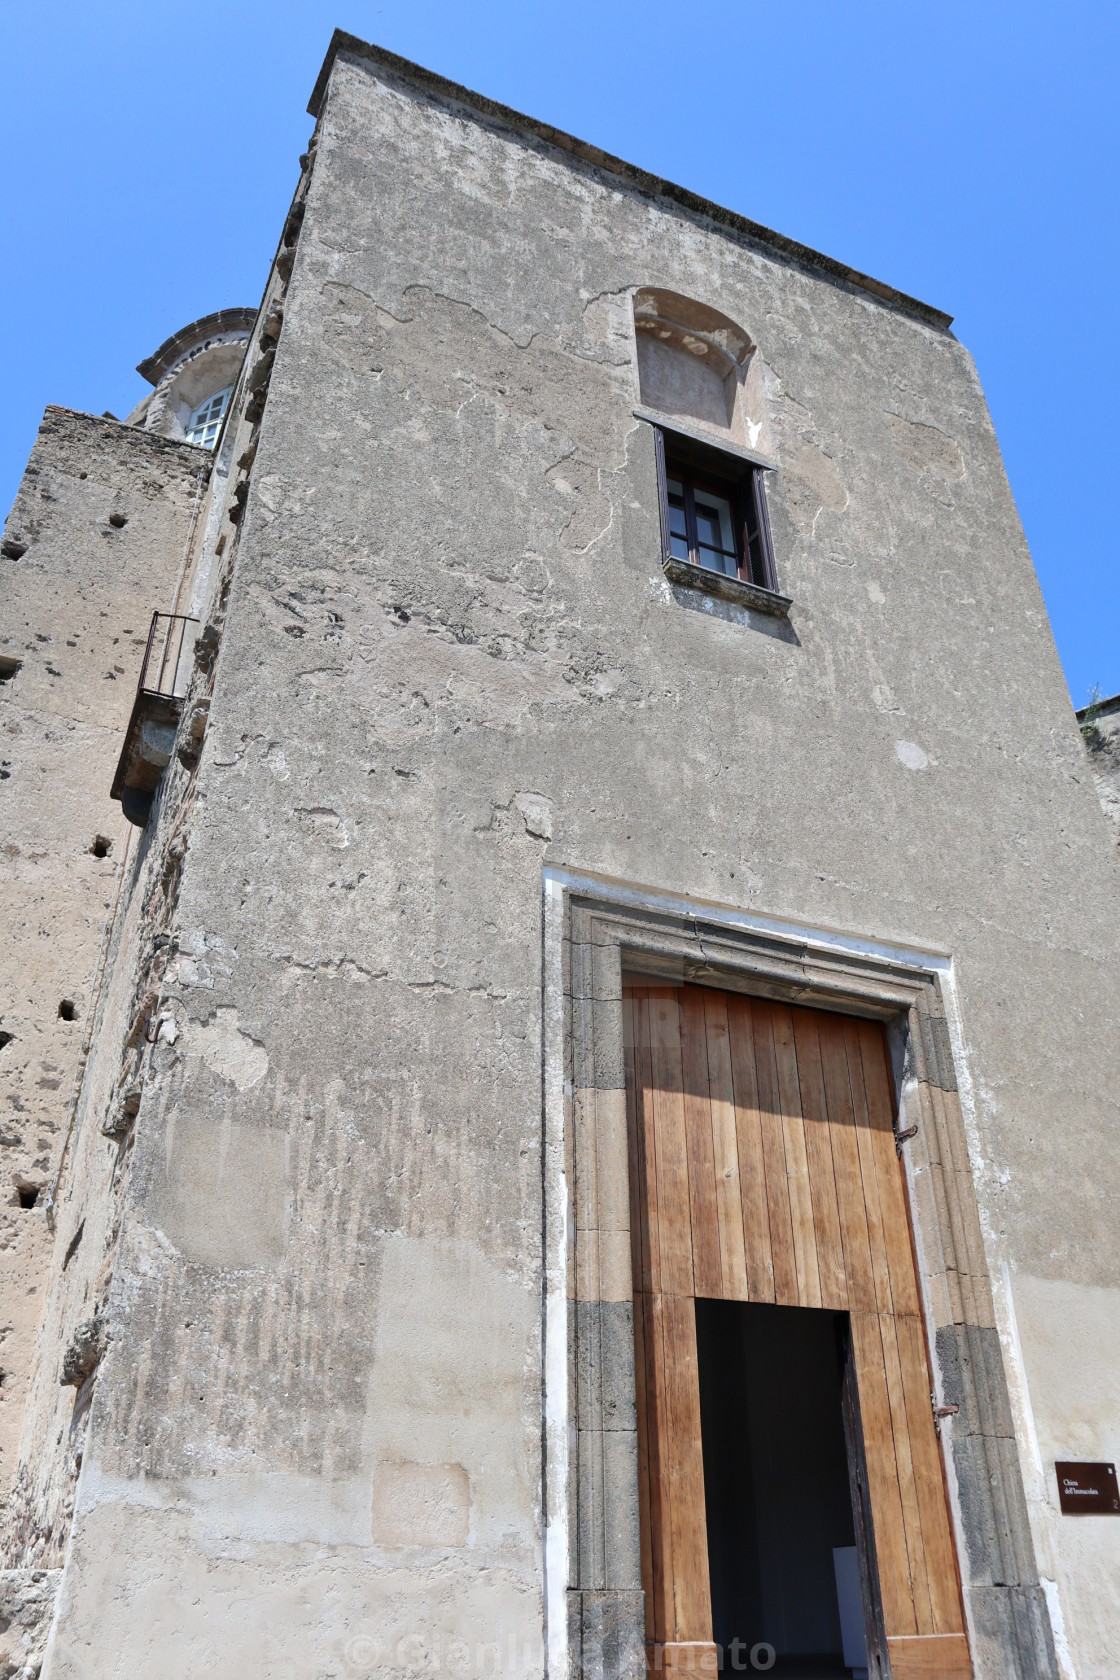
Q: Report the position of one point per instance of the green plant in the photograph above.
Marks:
(1092, 712)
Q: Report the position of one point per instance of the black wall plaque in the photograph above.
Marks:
(1088, 1489)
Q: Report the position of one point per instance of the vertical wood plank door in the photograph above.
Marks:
(764, 1169)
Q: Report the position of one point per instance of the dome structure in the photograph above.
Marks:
(193, 373)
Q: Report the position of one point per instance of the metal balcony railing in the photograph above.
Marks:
(149, 740)
(168, 657)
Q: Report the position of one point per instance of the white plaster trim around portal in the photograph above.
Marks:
(614, 891)
(555, 1431)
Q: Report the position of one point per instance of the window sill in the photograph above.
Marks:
(750, 595)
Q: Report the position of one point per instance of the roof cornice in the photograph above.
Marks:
(776, 244)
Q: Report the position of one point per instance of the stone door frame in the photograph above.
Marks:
(593, 931)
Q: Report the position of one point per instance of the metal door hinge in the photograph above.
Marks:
(940, 1412)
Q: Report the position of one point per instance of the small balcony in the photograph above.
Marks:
(150, 737)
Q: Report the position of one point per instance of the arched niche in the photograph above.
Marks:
(195, 363)
(696, 363)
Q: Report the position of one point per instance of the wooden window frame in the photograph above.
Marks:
(738, 481)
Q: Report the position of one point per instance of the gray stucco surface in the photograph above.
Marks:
(450, 658)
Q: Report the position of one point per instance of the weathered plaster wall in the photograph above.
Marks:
(78, 594)
(450, 657)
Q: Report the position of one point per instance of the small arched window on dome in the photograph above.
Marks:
(205, 422)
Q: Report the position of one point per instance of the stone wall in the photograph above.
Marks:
(1100, 731)
(27, 1600)
(450, 670)
(94, 543)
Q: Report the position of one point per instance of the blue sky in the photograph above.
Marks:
(967, 153)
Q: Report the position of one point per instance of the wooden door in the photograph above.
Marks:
(763, 1168)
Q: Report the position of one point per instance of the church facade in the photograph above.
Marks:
(562, 998)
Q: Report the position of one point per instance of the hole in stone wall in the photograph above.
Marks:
(118, 520)
(28, 1194)
(8, 667)
(67, 1010)
(6, 1038)
(102, 845)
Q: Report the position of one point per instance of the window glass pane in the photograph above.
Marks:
(205, 422)
(715, 532)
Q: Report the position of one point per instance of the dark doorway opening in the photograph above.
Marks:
(778, 1490)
